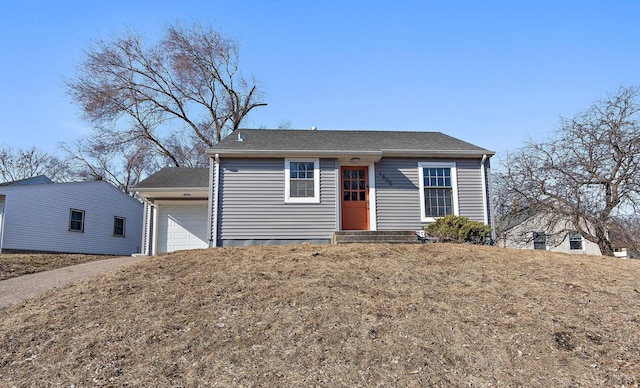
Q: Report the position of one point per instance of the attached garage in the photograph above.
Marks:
(182, 226)
(176, 211)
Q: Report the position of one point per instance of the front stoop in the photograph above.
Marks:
(368, 236)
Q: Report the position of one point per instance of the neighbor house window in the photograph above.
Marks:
(118, 226)
(76, 220)
(575, 241)
(539, 240)
(438, 190)
(302, 180)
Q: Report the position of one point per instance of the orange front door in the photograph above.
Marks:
(355, 198)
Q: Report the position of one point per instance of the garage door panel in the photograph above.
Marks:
(182, 227)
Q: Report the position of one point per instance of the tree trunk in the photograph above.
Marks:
(605, 246)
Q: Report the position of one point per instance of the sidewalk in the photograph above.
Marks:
(15, 290)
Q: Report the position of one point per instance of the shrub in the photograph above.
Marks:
(458, 229)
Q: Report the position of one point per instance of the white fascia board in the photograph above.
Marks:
(173, 192)
(294, 153)
(374, 156)
(438, 153)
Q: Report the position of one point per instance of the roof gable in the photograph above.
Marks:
(36, 180)
(79, 189)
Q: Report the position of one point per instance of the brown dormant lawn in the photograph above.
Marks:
(18, 264)
(346, 315)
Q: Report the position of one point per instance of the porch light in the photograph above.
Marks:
(355, 160)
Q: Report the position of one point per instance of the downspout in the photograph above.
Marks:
(154, 229)
(483, 172)
(147, 233)
(486, 188)
(145, 226)
(2, 217)
(214, 172)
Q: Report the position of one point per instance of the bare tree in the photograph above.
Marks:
(625, 234)
(162, 103)
(122, 164)
(27, 163)
(588, 173)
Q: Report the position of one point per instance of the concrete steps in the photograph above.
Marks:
(367, 236)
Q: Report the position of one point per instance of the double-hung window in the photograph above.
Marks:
(539, 240)
(438, 190)
(118, 226)
(302, 181)
(76, 220)
(575, 241)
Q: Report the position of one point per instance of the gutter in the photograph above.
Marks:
(143, 192)
(377, 155)
(374, 155)
(437, 153)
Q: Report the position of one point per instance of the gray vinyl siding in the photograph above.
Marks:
(252, 207)
(470, 194)
(398, 192)
(36, 218)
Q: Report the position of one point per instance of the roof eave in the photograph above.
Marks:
(172, 192)
(176, 189)
(438, 153)
(227, 153)
(376, 155)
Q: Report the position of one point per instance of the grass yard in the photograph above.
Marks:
(345, 315)
(18, 264)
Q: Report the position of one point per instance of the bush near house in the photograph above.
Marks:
(458, 229)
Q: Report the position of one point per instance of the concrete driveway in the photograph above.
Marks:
(16, 290)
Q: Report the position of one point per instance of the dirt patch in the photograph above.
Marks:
(564, 340)
(18, 264)
(353, 315)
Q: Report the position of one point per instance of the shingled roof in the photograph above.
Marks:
(36, 180)
(176, 177)
(263, 142)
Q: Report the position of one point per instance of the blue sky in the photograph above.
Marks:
(493, 73)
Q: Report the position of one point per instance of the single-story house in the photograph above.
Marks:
(37, 215)
(530, 228)
(267, 186)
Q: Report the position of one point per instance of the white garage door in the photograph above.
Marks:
(182, 227)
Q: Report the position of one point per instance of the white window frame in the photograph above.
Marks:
(124, 226)
(542, 239)
(287, 181)
(571, 234)
(71, 220)
(454, 187)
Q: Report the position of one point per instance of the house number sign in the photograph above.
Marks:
(386, 178)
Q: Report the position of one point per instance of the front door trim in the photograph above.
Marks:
(370, 211)
(373, 225)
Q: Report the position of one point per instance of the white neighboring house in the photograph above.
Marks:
(37, 215)
(526, 229)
